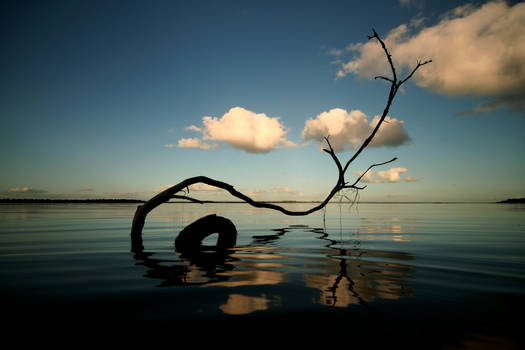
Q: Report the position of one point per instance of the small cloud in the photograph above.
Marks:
(391, 175)
(23, 192)
(169, 145)
(26, 190)
(276, 189)
(194, 187)
(290, 144)
(195, 142)
(349, 129)
(203, 187)
(412, 3)
(335, 52)
(163, 188)
(86, 189)
(275, 193)
(417, 21)
(194, 128)
(242, 129)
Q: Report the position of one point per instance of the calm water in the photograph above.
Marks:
(422, 275)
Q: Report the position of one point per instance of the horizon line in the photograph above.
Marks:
(125, 200)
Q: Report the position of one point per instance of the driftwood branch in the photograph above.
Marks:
(172, 192)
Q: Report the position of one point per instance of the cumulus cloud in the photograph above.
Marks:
(386, 176)
(350, 129)
(476, 51)
(242, 129)
(195, 142)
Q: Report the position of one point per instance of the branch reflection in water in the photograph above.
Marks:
(358, 276)
(341, 270)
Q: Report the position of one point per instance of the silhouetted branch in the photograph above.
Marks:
(366, 171)
(189, 199)
(166, 195)
(418, 65)
(384, 78)
(331, 152)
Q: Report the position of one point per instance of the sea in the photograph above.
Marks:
(411, 275)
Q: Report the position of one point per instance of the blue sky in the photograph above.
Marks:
(97, 97)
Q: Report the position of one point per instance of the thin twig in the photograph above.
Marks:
(366, 171)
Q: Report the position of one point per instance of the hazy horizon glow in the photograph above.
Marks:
(119, 100)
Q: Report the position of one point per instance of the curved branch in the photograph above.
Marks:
(164, 196)
(144, 209)
(190, 199)
(384, 78)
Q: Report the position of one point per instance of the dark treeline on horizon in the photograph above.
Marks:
(37, 200)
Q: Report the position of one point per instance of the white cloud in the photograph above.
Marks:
(194, 128)
(242, 129)
(350, 129)
(26, 190)
(476, 51)
(169, 145)
(391, 175)
(195, 142)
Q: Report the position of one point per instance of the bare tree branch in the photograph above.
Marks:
(331, 152)
(384, 78)
(166, 195)
(366, 171)
(388, 55)
(189, 199)
(419, 64)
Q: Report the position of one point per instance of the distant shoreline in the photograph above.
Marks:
(36, 200)
(81, 201)
(513, 200)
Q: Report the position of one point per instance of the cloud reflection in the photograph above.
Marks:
(239, 304)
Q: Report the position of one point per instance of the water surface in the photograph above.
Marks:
(422, 275)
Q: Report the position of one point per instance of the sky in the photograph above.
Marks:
(120, 99)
